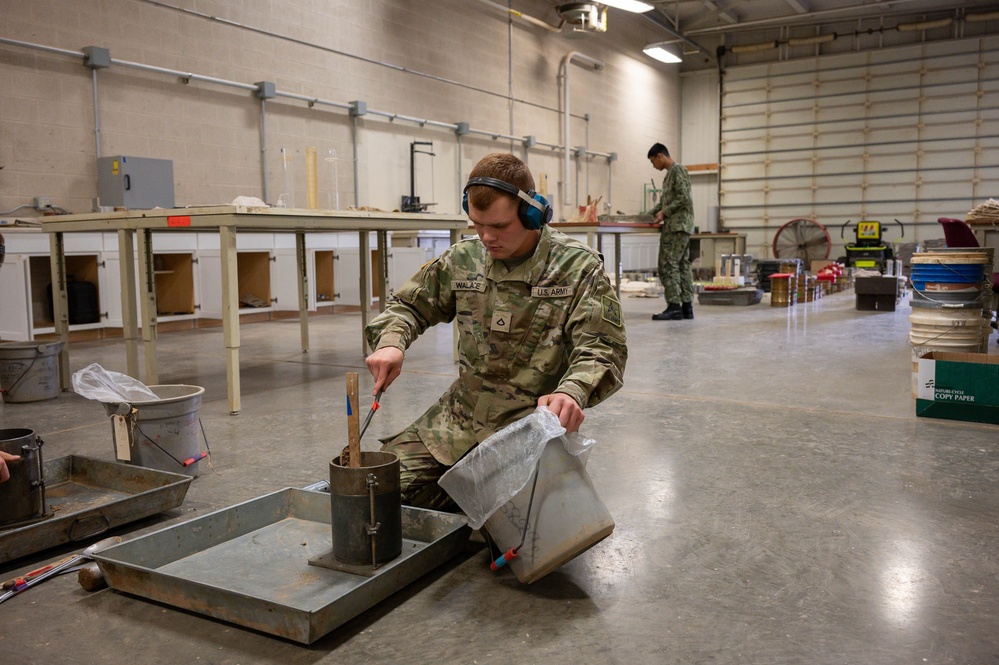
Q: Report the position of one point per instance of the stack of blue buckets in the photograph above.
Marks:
(951, 303)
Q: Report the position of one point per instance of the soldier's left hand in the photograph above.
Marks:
(568, 411)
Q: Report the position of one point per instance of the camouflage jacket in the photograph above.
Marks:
(550, 324)
(675, 201)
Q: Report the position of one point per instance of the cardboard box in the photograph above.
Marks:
(816, 265)
(958, 386)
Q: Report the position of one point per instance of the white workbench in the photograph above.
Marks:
(227, 221)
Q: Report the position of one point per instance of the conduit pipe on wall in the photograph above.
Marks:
(40, 47)
(190, 76)
(977, 18)
(924, 25)
(524, 17)
(597, 65)
(97, 115)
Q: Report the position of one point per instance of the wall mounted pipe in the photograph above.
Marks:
(40, 47)
(184, 76)
(263, 147)
(524, 17)
(312, 101)
(191, 76)
(97, 115)
(567, 59)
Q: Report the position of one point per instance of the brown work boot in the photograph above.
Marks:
(671, 313)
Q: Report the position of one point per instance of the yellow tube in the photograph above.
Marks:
(311, 178)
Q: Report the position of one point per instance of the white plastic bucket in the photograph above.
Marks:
(949, 329)
(29, 371)
(566, 517)
(958, 330)
(162, 434)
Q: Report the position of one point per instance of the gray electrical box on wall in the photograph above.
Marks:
(138, 183)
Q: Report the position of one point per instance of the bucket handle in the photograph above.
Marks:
(505, 558)
(189, 461)
(39, 350)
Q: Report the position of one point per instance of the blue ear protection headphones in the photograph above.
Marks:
(534, 210)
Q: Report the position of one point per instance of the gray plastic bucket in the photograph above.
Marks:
(163, 434)
(29, 371)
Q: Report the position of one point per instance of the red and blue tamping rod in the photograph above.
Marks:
(374, 407)
(503, 559)
(192, 460)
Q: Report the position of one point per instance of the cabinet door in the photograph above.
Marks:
(15, 301)
(346, 273)
(210, 279)
(284, 278)
(109, 283)
(404, 262)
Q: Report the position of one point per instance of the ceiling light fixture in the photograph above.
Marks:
(663, 52)
(628, 5)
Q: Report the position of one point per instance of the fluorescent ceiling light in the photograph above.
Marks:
(628, 5)
(663, 52)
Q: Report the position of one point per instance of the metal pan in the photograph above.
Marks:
(248, 564)
(87, 497)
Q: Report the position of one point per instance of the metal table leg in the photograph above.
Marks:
(147, 289)
(60, 304)
(303, 288)
(129, 319)
(230, 314)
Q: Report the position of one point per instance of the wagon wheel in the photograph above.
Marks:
(803, 239)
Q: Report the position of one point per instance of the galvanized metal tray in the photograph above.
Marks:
(248, 564)
(87, 497)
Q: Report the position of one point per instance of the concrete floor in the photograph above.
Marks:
(776, 501)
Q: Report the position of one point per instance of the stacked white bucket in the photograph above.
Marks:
(951, 302)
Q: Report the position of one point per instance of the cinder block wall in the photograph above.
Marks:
(446, 61)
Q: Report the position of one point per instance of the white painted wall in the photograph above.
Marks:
(473, 58)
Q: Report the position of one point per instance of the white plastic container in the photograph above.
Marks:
(567, 517)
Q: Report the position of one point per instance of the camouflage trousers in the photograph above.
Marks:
(674, 267)
(418, 474)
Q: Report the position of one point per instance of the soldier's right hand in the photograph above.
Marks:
(385, 365)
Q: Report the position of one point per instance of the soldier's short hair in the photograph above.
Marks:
(658, 149)
(502, 166)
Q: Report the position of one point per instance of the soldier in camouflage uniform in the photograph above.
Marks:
(538, 324)
(675, 211)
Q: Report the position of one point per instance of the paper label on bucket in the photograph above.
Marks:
(122, 450)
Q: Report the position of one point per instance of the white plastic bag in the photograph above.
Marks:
(96, 383)
(499, 467)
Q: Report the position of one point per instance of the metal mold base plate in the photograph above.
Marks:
(327, 560)
(249, 564)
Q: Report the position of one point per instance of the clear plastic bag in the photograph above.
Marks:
(499, 467)
(96, 383)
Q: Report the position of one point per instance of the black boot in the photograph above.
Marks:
(687, 309)
(671, 313)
